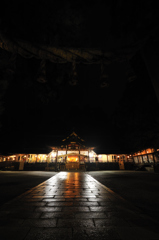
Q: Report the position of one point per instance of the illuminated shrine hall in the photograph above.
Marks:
(73, 154)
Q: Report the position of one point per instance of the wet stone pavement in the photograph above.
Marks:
(73, 205)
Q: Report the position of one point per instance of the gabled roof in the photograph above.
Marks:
(73, 138)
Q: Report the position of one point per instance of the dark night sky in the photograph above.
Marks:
(56, 107)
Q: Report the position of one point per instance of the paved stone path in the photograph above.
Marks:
(73, 205)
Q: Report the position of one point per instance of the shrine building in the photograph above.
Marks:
(72, 154)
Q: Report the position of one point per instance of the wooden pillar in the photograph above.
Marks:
(16, 158)
(79, 154)
(66, 153)
(47, 161)
(56, 155)
(56, 160)
(88, 154)
(153, 154)
(133, 159)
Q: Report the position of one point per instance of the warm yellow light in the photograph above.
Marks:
(72, 159)
(53, 154)
(90, 154)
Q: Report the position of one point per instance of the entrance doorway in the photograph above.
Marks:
(72, 162)
(121, 164)
(72, 158)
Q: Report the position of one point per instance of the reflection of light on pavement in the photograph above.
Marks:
(63, 175)
(69, 185)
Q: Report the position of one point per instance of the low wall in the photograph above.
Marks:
(35, 166)
(14, 166)
(9, 165)
(40, 167)
(129, 166)
(102, 166)
(52, 166)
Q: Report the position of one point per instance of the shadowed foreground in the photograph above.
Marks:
(73, 205)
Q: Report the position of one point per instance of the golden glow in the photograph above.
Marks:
(53, 154)
(84, 152)
(61, 153)
(146, 151)
(12, 156)
(72, 159)
(91, 154)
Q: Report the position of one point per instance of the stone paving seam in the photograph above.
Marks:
(108, 189)
(61, 222)
(136, 209)
(81, 222)
(27, 232)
